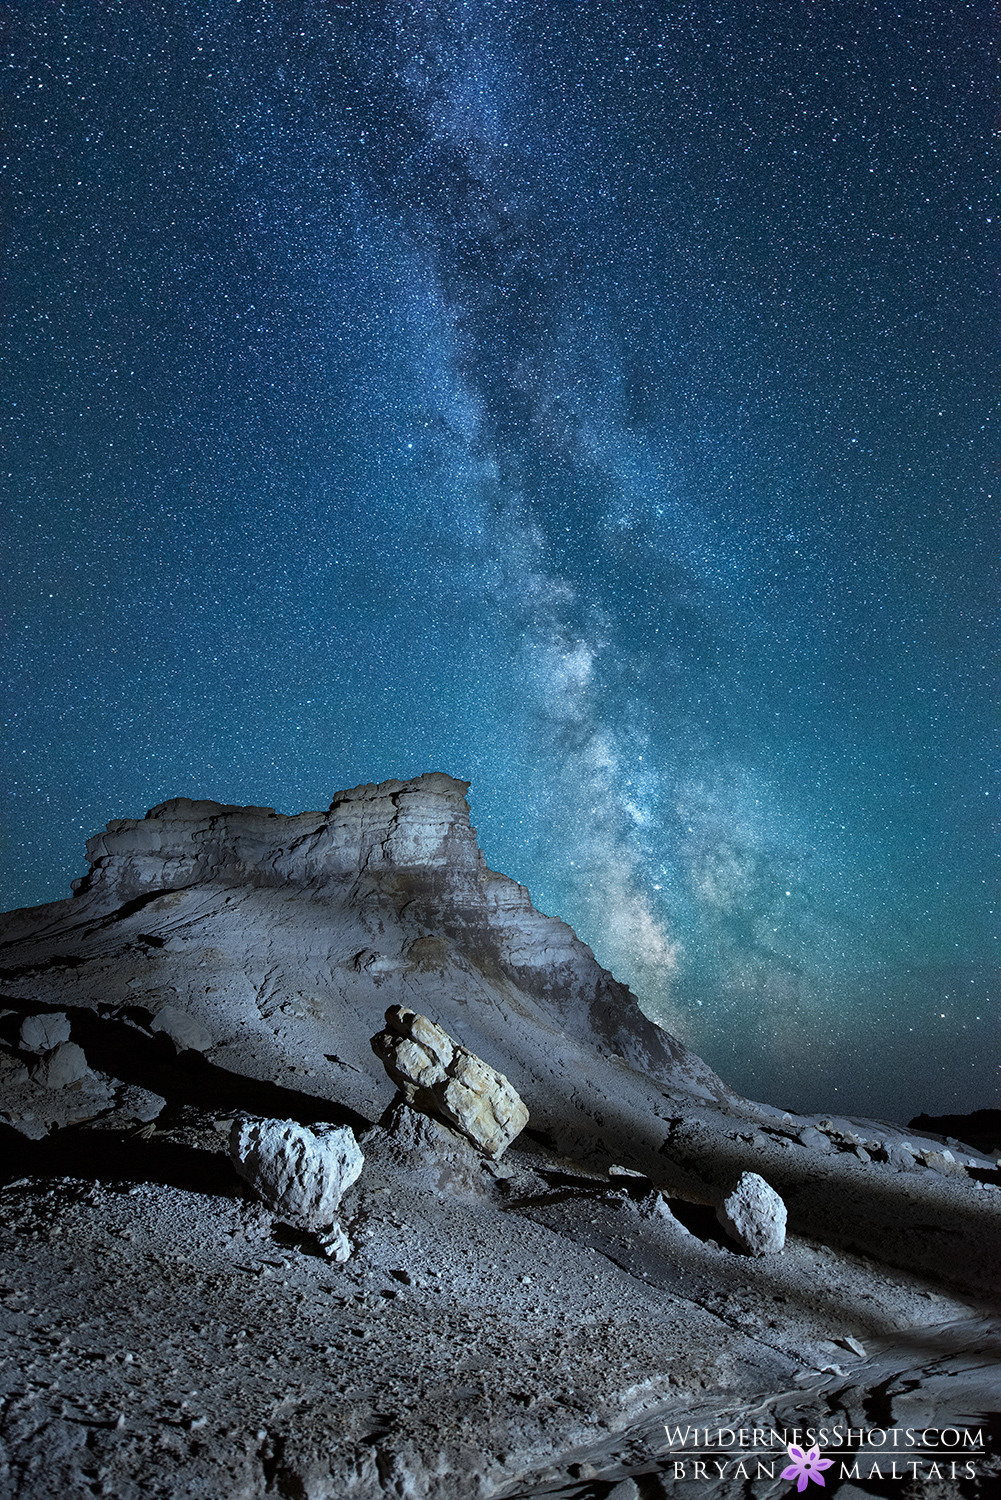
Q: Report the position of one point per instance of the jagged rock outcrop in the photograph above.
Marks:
(273, 944)
(446, 1080)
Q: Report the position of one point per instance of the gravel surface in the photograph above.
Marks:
(527, 1331)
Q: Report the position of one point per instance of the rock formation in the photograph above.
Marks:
(431, 1154)
(444, 1079)
(273, 945)
(185, 1031)
(44, 1033)
(754, 1215)
(270, 945)
(301, 1173)
(446, 1323)
(65, 1064)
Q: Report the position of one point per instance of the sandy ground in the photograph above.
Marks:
(516, 1329)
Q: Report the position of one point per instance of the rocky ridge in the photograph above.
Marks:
(484, 1326)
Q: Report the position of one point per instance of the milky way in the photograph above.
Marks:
(592, 401)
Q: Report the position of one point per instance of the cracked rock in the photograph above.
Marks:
(62, 1066)
(443, 1079)
(43, 1033)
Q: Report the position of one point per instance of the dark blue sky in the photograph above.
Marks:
(594, 401)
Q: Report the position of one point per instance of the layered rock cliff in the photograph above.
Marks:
(285, 938)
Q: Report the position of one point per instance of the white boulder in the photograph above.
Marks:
(300, 1171)
(754, 1215)
(335, 1243)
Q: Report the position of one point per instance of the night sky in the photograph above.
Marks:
(594, 401)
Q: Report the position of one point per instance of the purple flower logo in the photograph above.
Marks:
(806, 1466)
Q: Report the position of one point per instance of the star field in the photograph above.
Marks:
(595, 402)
